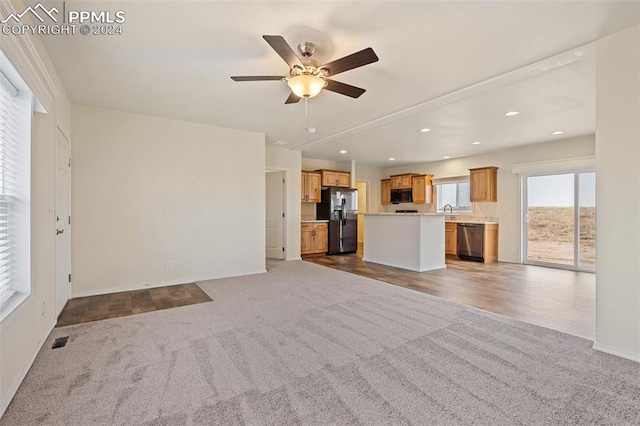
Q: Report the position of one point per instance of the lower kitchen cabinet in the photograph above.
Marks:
(490, 243)
(314, 238)
(450, 238)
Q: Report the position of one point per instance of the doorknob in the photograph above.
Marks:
(59, 231)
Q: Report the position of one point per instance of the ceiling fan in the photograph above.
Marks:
(308, 79)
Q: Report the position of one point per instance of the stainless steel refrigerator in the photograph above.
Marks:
(340, 207)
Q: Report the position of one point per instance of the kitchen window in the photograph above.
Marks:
(16, 106)
(455, 192)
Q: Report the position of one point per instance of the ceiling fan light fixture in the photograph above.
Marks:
(306, 85)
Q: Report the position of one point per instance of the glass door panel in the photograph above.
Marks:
(587, 220)
(550, 219)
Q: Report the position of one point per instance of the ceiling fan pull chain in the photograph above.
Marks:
(306, 118)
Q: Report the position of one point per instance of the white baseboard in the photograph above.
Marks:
(16, 384)
(111, 290)
(613, 351)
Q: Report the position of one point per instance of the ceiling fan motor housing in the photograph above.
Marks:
(306, 49)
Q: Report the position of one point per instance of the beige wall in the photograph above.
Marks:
(24, 331)
(149, 189)
(618, 198)
(372, 175)
(290, 162)
(507, 209)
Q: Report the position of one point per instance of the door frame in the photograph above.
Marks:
(285, 207)
(576, 218)
(368, 199)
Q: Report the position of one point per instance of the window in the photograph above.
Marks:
(15, 171)
(457, 194)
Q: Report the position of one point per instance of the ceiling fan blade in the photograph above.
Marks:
(283, 49)
(258, 77)
(292, 99)
(355, 60)
(343, 88)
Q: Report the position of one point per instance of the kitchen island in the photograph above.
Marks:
(413, 241)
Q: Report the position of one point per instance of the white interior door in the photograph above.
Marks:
(275, 215)
(63, 221)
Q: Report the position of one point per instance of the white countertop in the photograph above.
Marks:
(403, 214)
(470, 221)
(314, 221)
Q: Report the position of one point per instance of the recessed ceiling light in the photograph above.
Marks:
(446, 157)
(280, 143)
(343, 152)
(391, 159)
(425, 130)
(511, 113)
(557, 132)
(476, 143)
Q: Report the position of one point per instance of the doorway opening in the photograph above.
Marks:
(275, 214)
(559, 220)
(363, 207)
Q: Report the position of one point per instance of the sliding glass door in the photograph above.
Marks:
(559, 220)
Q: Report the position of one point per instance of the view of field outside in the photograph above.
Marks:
(550, 229)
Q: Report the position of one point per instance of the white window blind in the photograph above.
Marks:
(9, 182)
(456, 194)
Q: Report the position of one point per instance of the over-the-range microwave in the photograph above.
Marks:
(401, 196)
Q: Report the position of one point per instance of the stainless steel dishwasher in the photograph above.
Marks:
(471, 241)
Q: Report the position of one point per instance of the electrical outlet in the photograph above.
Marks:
(168, 264)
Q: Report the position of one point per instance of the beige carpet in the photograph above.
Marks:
(304, 344)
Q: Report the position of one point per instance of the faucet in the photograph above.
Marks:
(444, 210)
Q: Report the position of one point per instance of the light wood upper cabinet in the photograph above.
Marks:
(484, 184)
(314, 238)
(402, 181)
(422, 189)
(335, 178)
(451, 238)
(385, 192)
(310, 183)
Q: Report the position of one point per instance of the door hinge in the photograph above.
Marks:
(69, 162)
(69, 220)
(69, 277)
(282, 214)
(282, 248)
(283, 181)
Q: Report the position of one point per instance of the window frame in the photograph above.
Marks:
(448, 181)
(19, 210)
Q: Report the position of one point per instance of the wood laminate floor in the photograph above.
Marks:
(94, 308)
(555, 298)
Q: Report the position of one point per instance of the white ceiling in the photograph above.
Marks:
(452, 66)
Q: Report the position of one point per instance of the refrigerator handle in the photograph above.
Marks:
(344, 213)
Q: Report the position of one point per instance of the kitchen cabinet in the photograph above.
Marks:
(490, 243)
(450, 238)
(422, 189)
(314, 238)
(484, 184)
(335, 178)
(385, 192)
(310, 184)
(402, 181)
